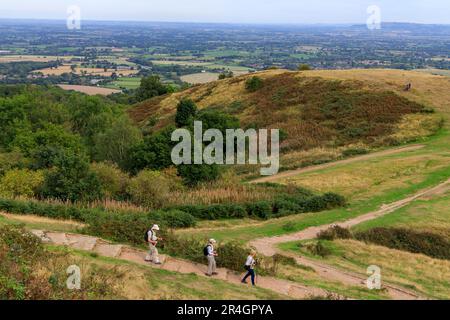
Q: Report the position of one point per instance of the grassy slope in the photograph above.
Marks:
(415, 271)
(317, 114)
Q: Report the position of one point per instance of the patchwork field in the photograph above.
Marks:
(199, 78)
(89, 90)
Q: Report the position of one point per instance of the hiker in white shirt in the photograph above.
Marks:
(211, 257)
(153, 254)
(250, 267)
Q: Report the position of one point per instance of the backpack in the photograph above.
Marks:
(146, 235)
(205, 250)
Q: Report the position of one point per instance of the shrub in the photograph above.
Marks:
(186, 111)
(335, 232)
(71, 180)
(21, 182)
(194, 174)
(304, 67)
(113, 181)
(318, 249)
(115, 143)
(430, 244)
(29, 272)
(262, 209)
(254, 84)
(354, 152)
(149, 189)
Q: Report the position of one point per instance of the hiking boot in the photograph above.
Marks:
(208, 275)
(158, 263)
(215, 274)
(244, 282)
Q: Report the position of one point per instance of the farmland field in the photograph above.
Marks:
(89, 90)
(203, 77)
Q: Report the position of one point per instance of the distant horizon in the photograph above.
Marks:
(227, 23)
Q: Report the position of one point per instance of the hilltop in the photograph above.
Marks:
(323, 115)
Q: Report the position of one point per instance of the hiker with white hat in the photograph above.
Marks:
(152, 240)
(211, 255)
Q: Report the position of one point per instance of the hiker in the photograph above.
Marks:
(250, 267)
(152, 240)
(211, 255)
(408, 87)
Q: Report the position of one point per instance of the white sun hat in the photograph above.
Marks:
(155, 227)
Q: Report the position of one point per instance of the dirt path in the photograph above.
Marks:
(287, 174)
(106, 249)
(268, 246)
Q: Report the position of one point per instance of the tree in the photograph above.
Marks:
(116, 142)
(114, 182)
(254, 84)
(21, 182)
(195, 174)
(186, 111)
(149, 189)
(71, 180)
(153, 153)
(150, 87)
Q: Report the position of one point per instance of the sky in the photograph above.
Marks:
(233, 11)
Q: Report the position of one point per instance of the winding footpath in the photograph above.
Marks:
(265, 246)
(269, 246)
(106, 249)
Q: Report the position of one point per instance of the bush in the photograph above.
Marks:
(335, 232)
(149, 189)
(119, 226)
(113, 181)
(186, 111)
(318, 249)
(262, 209)
(21, 182)
(254, 84)
(71, 180)
(430, 244)
(304, 67)
(194, 174)
(29, 272)
(354, 152)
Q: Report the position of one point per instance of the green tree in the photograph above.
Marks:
(71, 180)
(116, 142)
(149, 189)
(186, 111)
(114, 182)
(153, 153)
(194, 174)
(21, 182)
(254, 84)
(150, 87)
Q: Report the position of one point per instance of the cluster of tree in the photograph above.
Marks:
(58, 134)
(21, 69)
(74, 147)
(155, 151)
